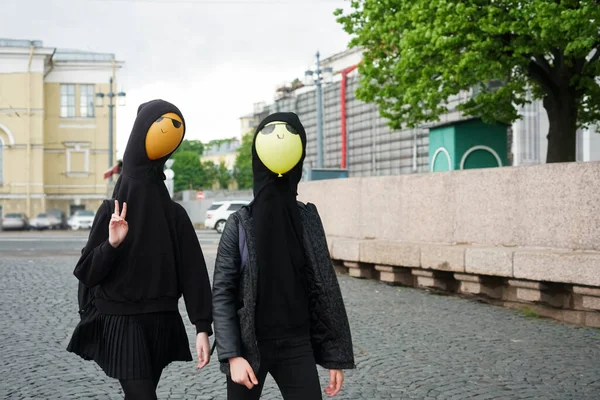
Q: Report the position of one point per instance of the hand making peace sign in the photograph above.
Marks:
(118, 227)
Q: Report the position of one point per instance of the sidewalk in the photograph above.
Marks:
(409, 344)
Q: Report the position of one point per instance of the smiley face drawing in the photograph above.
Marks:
(279, 147)
(164, 136)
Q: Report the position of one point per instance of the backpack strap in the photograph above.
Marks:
(242, 244)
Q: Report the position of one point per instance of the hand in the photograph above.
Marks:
(118, 227)
(242, 373)
(203, 349)
(336, 378)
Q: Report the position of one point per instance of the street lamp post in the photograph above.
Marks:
(111, 106)
(316, 78)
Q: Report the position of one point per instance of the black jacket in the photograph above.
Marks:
(109, 272)
(235, 288)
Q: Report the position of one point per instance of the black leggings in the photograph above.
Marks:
(291, 362)
(141, 389)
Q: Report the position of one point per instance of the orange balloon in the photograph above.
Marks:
(164, 136)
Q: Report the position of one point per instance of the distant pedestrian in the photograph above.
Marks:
(141, 256)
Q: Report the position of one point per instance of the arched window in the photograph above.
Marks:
(1, 161)
(6, 140)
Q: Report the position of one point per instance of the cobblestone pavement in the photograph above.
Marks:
(409, 344)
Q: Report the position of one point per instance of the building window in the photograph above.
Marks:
(86, 101)
(67, 101)
(78, 160)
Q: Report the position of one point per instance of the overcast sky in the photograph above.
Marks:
(212, 58)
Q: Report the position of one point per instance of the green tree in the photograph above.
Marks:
(211, 172)
(191, 145)
(189, 173)
(223, 175)
(418, 53)
(242, 171)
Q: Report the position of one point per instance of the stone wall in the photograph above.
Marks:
(516, 235)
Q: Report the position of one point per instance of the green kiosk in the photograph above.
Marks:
(467, 144)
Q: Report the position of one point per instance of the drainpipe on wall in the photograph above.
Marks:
(31, 51)
(52, 65)
(345, 72)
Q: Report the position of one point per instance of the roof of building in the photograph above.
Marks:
(79, 55)
(4, 42)
(464, 120)
(59, 55)
(222, 147)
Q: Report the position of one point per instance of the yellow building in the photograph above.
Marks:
(222, 151)
(53, 138)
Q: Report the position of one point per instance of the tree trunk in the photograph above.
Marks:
(562, 135)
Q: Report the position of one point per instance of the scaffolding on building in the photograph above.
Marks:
(374, 149)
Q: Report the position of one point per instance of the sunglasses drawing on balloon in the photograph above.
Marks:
(176, 124)
(270, 128)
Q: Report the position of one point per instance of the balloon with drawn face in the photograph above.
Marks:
(279, 147)
(164, 135)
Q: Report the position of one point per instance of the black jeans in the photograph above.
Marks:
(291, 363)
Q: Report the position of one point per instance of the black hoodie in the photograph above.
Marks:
(160, 259)
(282, 298)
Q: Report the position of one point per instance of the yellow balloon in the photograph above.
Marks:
(278, 148)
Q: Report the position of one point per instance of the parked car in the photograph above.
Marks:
(219, 211)
(15, 221)
(82, 219)
(61, 216)
(44, 221)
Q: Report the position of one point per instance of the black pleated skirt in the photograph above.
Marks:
(132, 347)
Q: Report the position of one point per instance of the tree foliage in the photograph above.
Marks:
(211, 173)
(191, 145)
(420, 53)
(223, 175)
(189, 173)
(243, 162)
